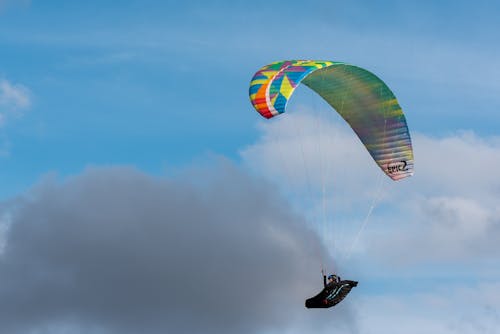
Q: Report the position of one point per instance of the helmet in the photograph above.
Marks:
(334, 277)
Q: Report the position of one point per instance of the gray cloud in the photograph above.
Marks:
(116, 251)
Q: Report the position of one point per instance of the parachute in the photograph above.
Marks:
(363, 100)
(360, 97)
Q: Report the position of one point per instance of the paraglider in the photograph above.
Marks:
(361, 98)
(333, 292)
(364, 101)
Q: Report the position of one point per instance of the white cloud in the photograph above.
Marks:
(462, 164)
(304, 152)
(448, 211)
(463, 218)
(440, 309)
(13, 99)
(6, 3)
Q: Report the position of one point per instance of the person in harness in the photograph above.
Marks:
(334, 291)
(332, 281)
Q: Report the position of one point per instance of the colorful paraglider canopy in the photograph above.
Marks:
(360, 97)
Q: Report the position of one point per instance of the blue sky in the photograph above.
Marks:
(108, 81)
(162, 87)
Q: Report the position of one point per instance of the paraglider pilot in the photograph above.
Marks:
(333, 280)
(334, 291)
